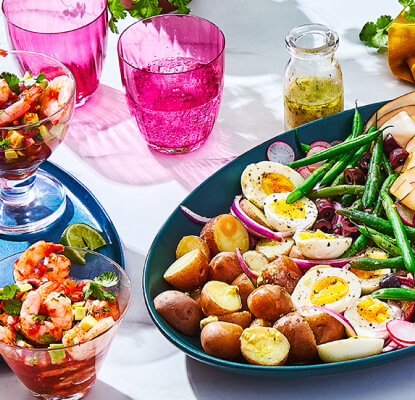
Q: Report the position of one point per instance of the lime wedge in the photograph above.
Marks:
(80, 235)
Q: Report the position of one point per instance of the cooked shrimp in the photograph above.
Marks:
(5, 91)
(55, 96)
(17, 109)
(57, 268)
(8, 320)
(7, 335)
(48, 287)
(100, 309)
(45, 328)
(24, 267)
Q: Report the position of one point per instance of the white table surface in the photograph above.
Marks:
(139, 189)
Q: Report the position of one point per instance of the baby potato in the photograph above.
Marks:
(296, 253)
(325, 327)
(295, 328)
(269, 302)
(241, 318)
(260, 322)
(219, 298)
(191, 242)
(246, 287)
(255, 260)
(196, 295)
(264, 346)
(271, 248)
(224, 267)
(179, 310)
(283, 271)
(253, 212)
(221, 339)
(189, 272)
(225, 233)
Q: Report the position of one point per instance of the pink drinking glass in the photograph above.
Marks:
(172, 70)
(71, 31)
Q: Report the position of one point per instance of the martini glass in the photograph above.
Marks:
(31, 200)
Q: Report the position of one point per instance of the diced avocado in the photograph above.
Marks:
(29, 118)
(56, 356)
(78, 304)
(80, 313)
(44, 131)
(43, 84)
(15, 138)
(25, 287)
(26, 75)
(58, 130)
(10, 154)
(88, 322)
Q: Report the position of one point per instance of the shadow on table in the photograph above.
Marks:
(383, 382)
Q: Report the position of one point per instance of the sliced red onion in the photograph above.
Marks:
(396, 309)
(350, 331)
(280, 152)
(401, 332)
(193, 216)
(253, 226)
(337, 219)
(307, 264)
(251, 274)
(406, 281)
(406, 214)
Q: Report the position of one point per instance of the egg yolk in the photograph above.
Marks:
(276, 183)
(366, 274)
(373, 310)
(328, 290)
(318, 234)
(295, 210)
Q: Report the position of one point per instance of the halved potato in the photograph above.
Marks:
(253, 212)
(325, 327)
(189, 272)
(255, 260)
(219, 298)
(241, 318)
(264, 346)
(271, 248)
(261, 322)
(225, 233)
(224, 267)
(191, 242)
(246, 287)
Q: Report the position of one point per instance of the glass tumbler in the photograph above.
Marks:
(313, 83)
(72, 31)
(172, 70)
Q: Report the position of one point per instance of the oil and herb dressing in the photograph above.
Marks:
(310, 98)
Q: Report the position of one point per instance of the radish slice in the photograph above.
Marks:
(314, 150)
(391, 346)
(280, 152)
(407, 215)
(321, 143)
(350, 331)
(194, 217)
(304, 171)
(253, 226)
(307, 264)
(248, 271)
(401, 331)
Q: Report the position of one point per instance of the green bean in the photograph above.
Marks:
(373, 181)
(333, 191)
(397, 224)
(386, 165)
(380, 224)
(347, 200)
(304, 147)
(399, 294)
(333, 151)
(309, 182)
(381, 240)
(372, 264)
(357, 246)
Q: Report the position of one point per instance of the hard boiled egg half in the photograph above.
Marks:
(266, 177)
(369, 317)
(370, 280)
(285, 217)
(318, 245)
(330, 287)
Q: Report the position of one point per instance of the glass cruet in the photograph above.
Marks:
(313, 82)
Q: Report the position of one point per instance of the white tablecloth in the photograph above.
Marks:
(140, 188)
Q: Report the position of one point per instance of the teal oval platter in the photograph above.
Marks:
(215, 196)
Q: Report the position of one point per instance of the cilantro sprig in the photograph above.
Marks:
(140, 9)
(12, 81)
(375, 34)
(96, 287)
(11, 306)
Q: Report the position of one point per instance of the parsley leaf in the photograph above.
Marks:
(93, 289)
(41, 77)
(117, 11)
(12, 80)
(13, 307)
(182, 4)
(144, 8)
(107, 279)
(9, 291)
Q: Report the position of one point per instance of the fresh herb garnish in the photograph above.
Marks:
(5, 143)
(9, 292)
(140, 9)
(375, 34)
(13, 307)
(29, 82)
(12, 81)
(47, 338)
(95, 287)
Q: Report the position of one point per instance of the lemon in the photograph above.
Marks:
(80, 235)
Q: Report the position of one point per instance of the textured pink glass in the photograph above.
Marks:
(72, 31)
(172, 70)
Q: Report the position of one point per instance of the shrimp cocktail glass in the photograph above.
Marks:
(172, 71)
(72, 31)
(58, 319)
(37, 100)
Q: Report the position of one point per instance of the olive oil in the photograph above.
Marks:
(310, 98)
